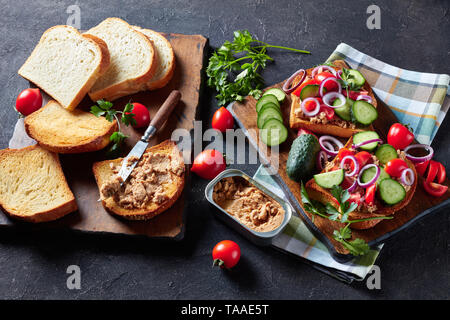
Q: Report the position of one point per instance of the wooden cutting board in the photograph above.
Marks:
(91, 216)
(420, 205)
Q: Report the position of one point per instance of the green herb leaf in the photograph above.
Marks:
(128, 115)
(97, 111)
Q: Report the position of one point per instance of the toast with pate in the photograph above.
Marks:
(33, 187)
(60, 130)
(334, 121)
(133, 60)
(392, 194)
(66, 64)
(154, 185)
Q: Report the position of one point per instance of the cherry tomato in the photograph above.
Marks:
(435, 189)
(441, 174)
(141, 115)
(343, 152)
(329, 112)
(208, 164)
(395, 167)
(329, 85)
(363, 158)
(421, 167)
(432, 170)
(399, 136)
(304, 84)
(226, 254)
(370, 194)
(28, 101)
(222, 120)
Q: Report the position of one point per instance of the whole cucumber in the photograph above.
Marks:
(302, 157)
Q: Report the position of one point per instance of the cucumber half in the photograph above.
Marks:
(365, 136)
(368, 174)
(391, 191)
(356, 78)
(310, 90)
(364, 112)
(330, 179)
(344, 112)
(278, 93)
(266, 99)
(386, 152)
(273, 132)
(268, 112)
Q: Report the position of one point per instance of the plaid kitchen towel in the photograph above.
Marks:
(418, 99)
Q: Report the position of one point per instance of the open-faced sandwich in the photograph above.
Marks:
(331, 99)
(380, 179)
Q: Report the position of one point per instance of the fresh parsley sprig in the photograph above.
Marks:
(346, 82)
(241, 59)
(105, 108)
(357, 246)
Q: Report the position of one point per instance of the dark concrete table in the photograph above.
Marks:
(413, 35)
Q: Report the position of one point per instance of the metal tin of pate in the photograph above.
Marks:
(259, 238)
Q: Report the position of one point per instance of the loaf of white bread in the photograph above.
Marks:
(109, 61)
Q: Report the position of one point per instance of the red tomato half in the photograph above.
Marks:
(395, 167)
(399, 136)
(226, 254)
(208, 164)
(222, 120)
(141, 115)
(435, 189)
(370, 194)
(28, 101)
(304, 84)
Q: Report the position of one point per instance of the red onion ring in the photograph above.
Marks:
(404, 177)
(352, 187)
(323, 140)
(365, 98)
(355, 146)
(321, 68)
(330, 95)
(419, 159)
(322, 85)
(287, 85)
(310, 113)
(355, 165)
(322, 155)
(373, 180)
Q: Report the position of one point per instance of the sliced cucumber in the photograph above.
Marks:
(344, 112)
(368, 174)
(310, 90)
(364, 112)
(386, 152)
(356, 78)
(268, 112)
(330, 179)
(277, 93)
(266, 99)
(273, 132)
(268, 105)
(391, 191)
(365, 136)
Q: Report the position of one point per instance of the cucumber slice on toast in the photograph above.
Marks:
(364, 112)
(386, 152)
(330, 179)
(391, 191)
(365, 136)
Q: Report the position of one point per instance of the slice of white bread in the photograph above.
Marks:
(165, 59)
(66, 64)
(104, 173)
(133, 60)
(33, 186)
(63, 131)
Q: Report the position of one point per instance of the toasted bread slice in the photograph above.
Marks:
(133, 60)
(66, 64)
(165, 59)
(103, 173)
(32, 185)
(323, 195)
(297, 122)
(63, 131)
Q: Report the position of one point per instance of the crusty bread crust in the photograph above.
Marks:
(297, 123)
(97, 142)
(47, 215)
(323, 195)
(102, 67)
(132, 85)
(103, 172)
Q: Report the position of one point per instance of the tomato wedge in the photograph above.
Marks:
(304, 84)
(363, 158)
(343, 152)
(395, 167)
(441, 174)
(432, 170)
(435, 189)
(329, 85)
(370, 194)
(421, 167)
(329, 112)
